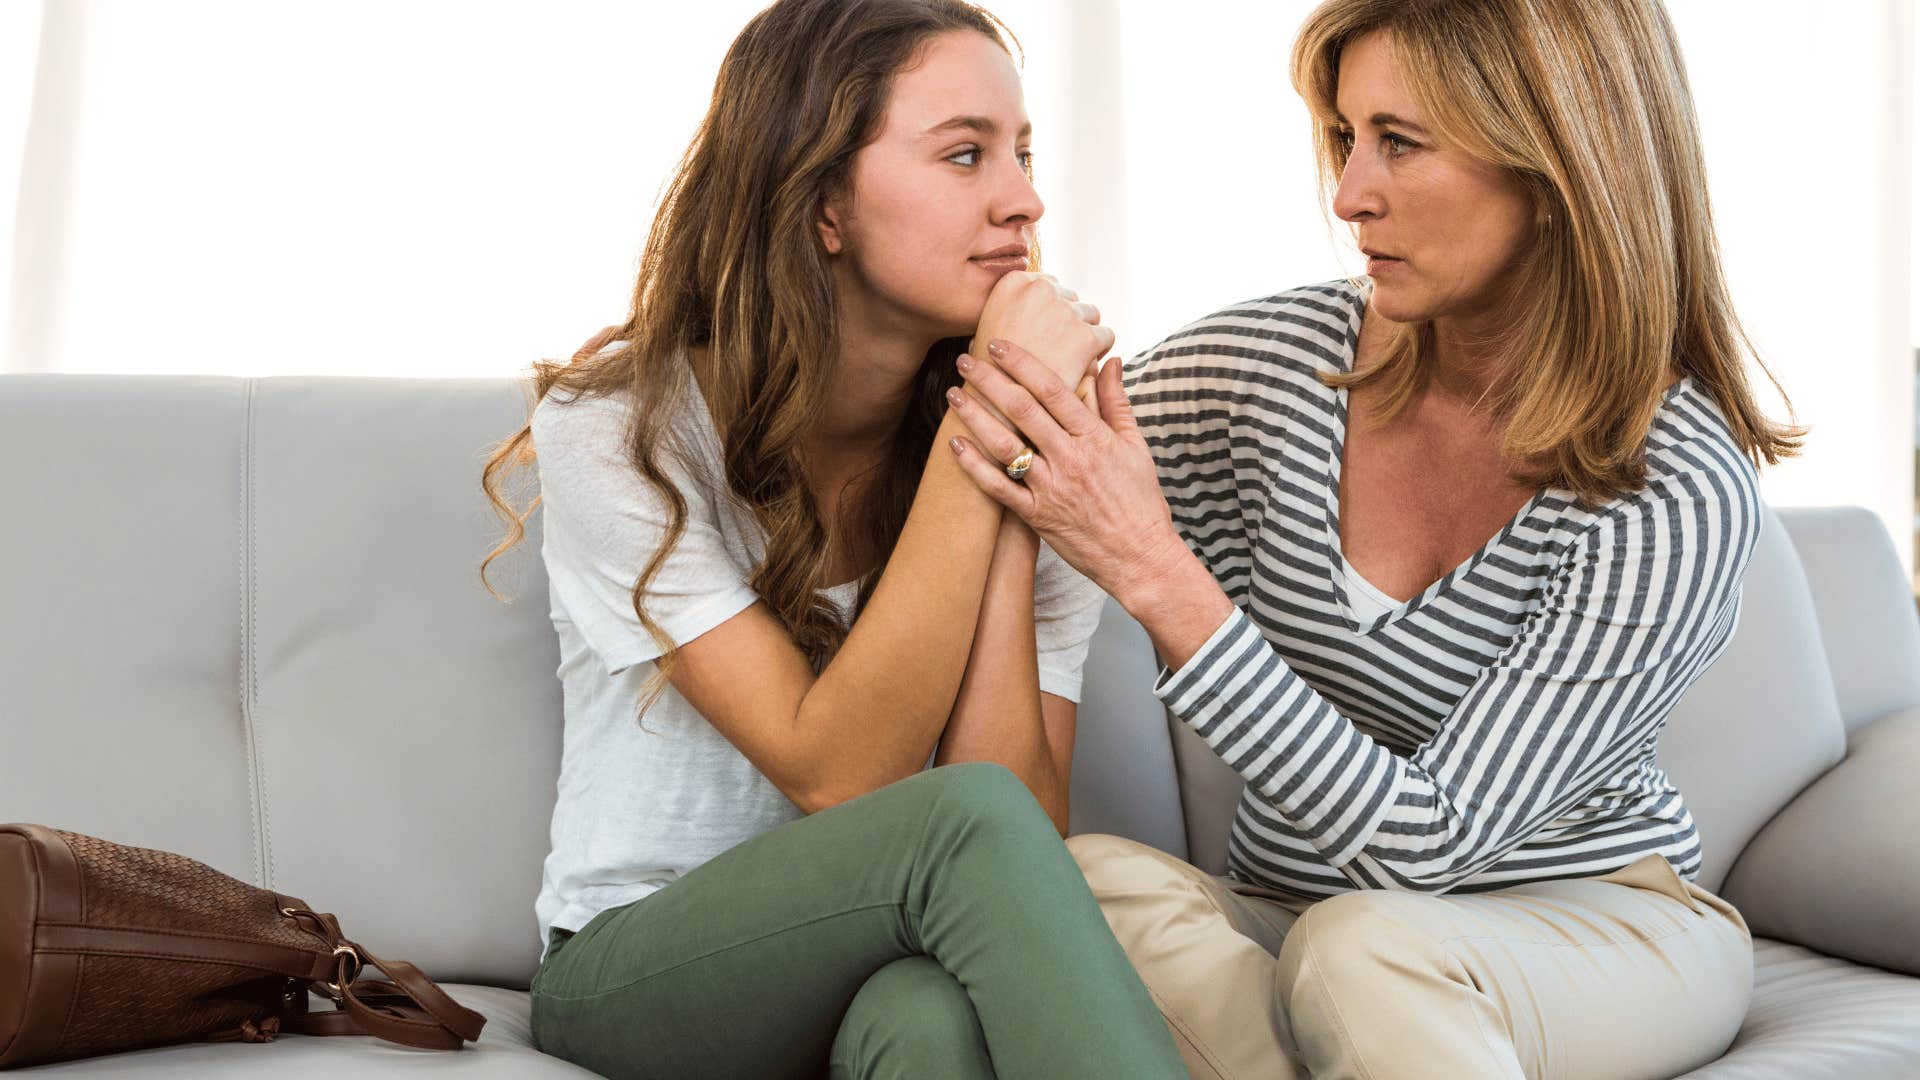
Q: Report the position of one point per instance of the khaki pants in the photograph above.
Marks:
(1637, 973)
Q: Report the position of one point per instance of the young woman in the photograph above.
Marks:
(776, 604)
(1430, 558)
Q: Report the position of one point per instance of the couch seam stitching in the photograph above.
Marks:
(248, 659)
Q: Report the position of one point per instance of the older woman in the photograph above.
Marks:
(1429, 558)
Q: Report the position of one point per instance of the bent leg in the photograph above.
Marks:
(1633, 974)
(911, 1020)
(1205, 952)
(746, 966)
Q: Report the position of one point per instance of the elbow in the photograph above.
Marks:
(825, 792)
(813, 798)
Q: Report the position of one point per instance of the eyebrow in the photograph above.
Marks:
(980, 125)
(1387, 120)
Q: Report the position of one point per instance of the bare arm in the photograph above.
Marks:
(1001, 715)
(874, 714)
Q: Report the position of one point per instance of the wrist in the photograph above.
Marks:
(1148, 580)
(1175, 598)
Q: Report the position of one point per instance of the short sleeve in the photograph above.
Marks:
(603, 522)
(1066, 611)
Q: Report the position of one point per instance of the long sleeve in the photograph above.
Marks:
(1644, 600)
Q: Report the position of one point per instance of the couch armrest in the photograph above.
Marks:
(1838, 869)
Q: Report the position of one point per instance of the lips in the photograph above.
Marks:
(1006, 253)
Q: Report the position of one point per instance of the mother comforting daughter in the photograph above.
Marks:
(1429, 558)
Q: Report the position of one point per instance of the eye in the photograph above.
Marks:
(972, 153)
(1398, 144)
(1026, 162)
(1343, 138)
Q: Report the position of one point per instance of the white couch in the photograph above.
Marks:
(241, 620)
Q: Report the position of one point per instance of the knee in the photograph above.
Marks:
(1345, 954)
(985, 793)
(908, 1016)
(1115, 866)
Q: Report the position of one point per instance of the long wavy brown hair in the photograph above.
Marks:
(734, 266)
(1587, 103)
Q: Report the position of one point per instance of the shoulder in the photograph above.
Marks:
(587, 439)
(1699, 513)
(564, 421)
(1288, 337)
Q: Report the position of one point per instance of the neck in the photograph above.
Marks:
(873, 384)
(1466, 360)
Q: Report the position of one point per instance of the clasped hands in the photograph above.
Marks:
(1092, 492)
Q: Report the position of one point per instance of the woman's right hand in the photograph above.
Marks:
(1048, 320)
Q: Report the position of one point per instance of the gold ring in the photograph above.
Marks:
(1021, 463)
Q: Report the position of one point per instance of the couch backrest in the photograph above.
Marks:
(1760, 725)
(1763, 722)
(1866, 609)
(243, 622)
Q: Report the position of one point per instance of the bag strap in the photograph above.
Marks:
(411, 1009)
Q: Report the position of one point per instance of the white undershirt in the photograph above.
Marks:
(1366, 600)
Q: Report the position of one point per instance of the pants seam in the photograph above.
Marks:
(1186, 1029)
(1326, 991)
(1486, 1041)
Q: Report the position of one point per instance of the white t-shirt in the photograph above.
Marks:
(639, 807)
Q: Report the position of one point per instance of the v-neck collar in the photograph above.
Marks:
(1336, 578)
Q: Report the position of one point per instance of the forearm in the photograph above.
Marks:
(876, 711)
(997, 716)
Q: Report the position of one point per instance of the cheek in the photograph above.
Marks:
(913, 251)
(1480, 232)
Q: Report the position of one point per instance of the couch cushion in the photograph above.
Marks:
(1834, 870)
(505, 1052)
(1763, 721)
(407, 724)
(1815, 1017)
(1865, 605)
(1123, 772)
(119, 628)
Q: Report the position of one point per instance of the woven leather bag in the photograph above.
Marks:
(105, 947)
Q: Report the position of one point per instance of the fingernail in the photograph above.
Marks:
(996, 348)
(958, 446)
(965, 363)
(955, 398)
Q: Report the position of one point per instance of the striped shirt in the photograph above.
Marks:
(1496, 729)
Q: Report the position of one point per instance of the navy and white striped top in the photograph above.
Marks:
(1498, 728)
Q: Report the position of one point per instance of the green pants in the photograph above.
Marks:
(934, 928)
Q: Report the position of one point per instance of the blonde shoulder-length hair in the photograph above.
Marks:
(1586, 103)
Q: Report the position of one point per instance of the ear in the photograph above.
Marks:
(828, 224)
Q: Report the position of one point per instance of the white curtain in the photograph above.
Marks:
(441, 188)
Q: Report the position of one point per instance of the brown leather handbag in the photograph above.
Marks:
(106, 948)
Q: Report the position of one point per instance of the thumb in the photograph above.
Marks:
(1114, 408)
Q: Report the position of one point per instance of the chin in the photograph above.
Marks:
(1394, 305)
(962, 319)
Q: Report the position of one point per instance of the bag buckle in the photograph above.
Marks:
(354, 967)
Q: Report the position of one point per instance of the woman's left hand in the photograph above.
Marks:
(1093, 493)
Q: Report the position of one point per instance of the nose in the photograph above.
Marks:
(1357, 198)
(1015, 200)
